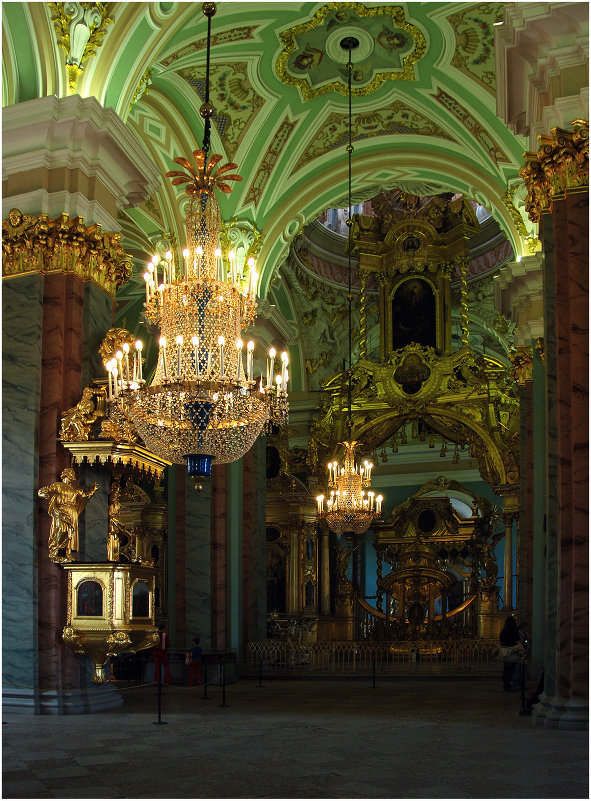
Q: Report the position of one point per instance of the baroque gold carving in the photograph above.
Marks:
(77, 422)
(36, 244)
(522, 365)
(560, 165)
(81, 28)
(533, 243)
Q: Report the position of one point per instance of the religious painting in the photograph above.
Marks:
(140, 600)
(276, 580)
(89, 599)
(413, 314)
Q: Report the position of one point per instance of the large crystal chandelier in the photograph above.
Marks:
(204, 404)
(349, 508)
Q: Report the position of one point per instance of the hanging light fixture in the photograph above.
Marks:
(349, 509)
(204, 404)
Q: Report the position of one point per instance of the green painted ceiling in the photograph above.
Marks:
(424, 108)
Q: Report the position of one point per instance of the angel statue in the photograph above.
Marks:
(66, 503)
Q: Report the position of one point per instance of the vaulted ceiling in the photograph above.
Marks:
(424, 107)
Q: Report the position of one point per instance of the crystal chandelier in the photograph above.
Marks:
(349, 509)
(204, 405)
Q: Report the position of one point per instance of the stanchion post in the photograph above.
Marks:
(205, 695)
(159, 722)
(374, 673)
(223, 677)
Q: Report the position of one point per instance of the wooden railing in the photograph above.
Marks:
(405, 656)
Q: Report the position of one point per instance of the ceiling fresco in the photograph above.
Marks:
(313, 58)
(424, 115)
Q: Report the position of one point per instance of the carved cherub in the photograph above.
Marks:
(77, 421)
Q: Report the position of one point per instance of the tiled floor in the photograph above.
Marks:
(407, 738)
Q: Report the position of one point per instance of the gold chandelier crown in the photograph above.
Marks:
(202, 176)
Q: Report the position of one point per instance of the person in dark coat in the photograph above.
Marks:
(509, 637)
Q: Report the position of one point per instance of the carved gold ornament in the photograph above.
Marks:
(80, 28)
(36, 244)
(561, 165)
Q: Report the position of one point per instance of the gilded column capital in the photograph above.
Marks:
(560, 165)
(37, 244)
(522, 363)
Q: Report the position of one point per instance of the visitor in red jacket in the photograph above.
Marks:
(160, 654)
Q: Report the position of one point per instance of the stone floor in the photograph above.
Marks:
(340, 738)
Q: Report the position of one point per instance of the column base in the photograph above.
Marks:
(52, 702)
(561, 713)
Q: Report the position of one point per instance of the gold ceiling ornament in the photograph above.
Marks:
(345, 14)
(349, 509)
(81, 28)
(560, 165)
(36, 244)
(532, 241)
(204, 405)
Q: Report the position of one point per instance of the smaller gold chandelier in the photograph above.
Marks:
(350, 509)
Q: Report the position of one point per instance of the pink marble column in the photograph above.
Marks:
(571, 235)
(525, 520)
(61, 370)
(219, 558)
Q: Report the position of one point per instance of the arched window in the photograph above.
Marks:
(140, 600)
(89, 599)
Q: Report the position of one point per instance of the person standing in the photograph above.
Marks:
(196, 654)
(160, 654)
(509, 638)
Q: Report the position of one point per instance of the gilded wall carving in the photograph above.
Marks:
(36, 244)
(560, 165)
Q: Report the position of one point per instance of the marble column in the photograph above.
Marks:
(219, 557)
(508, 570)
(293, 581)
(325, 574)
(197, 562)
(178, 635)
(527, 500)
(254, 601)
(565, 240)
(59, 280)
